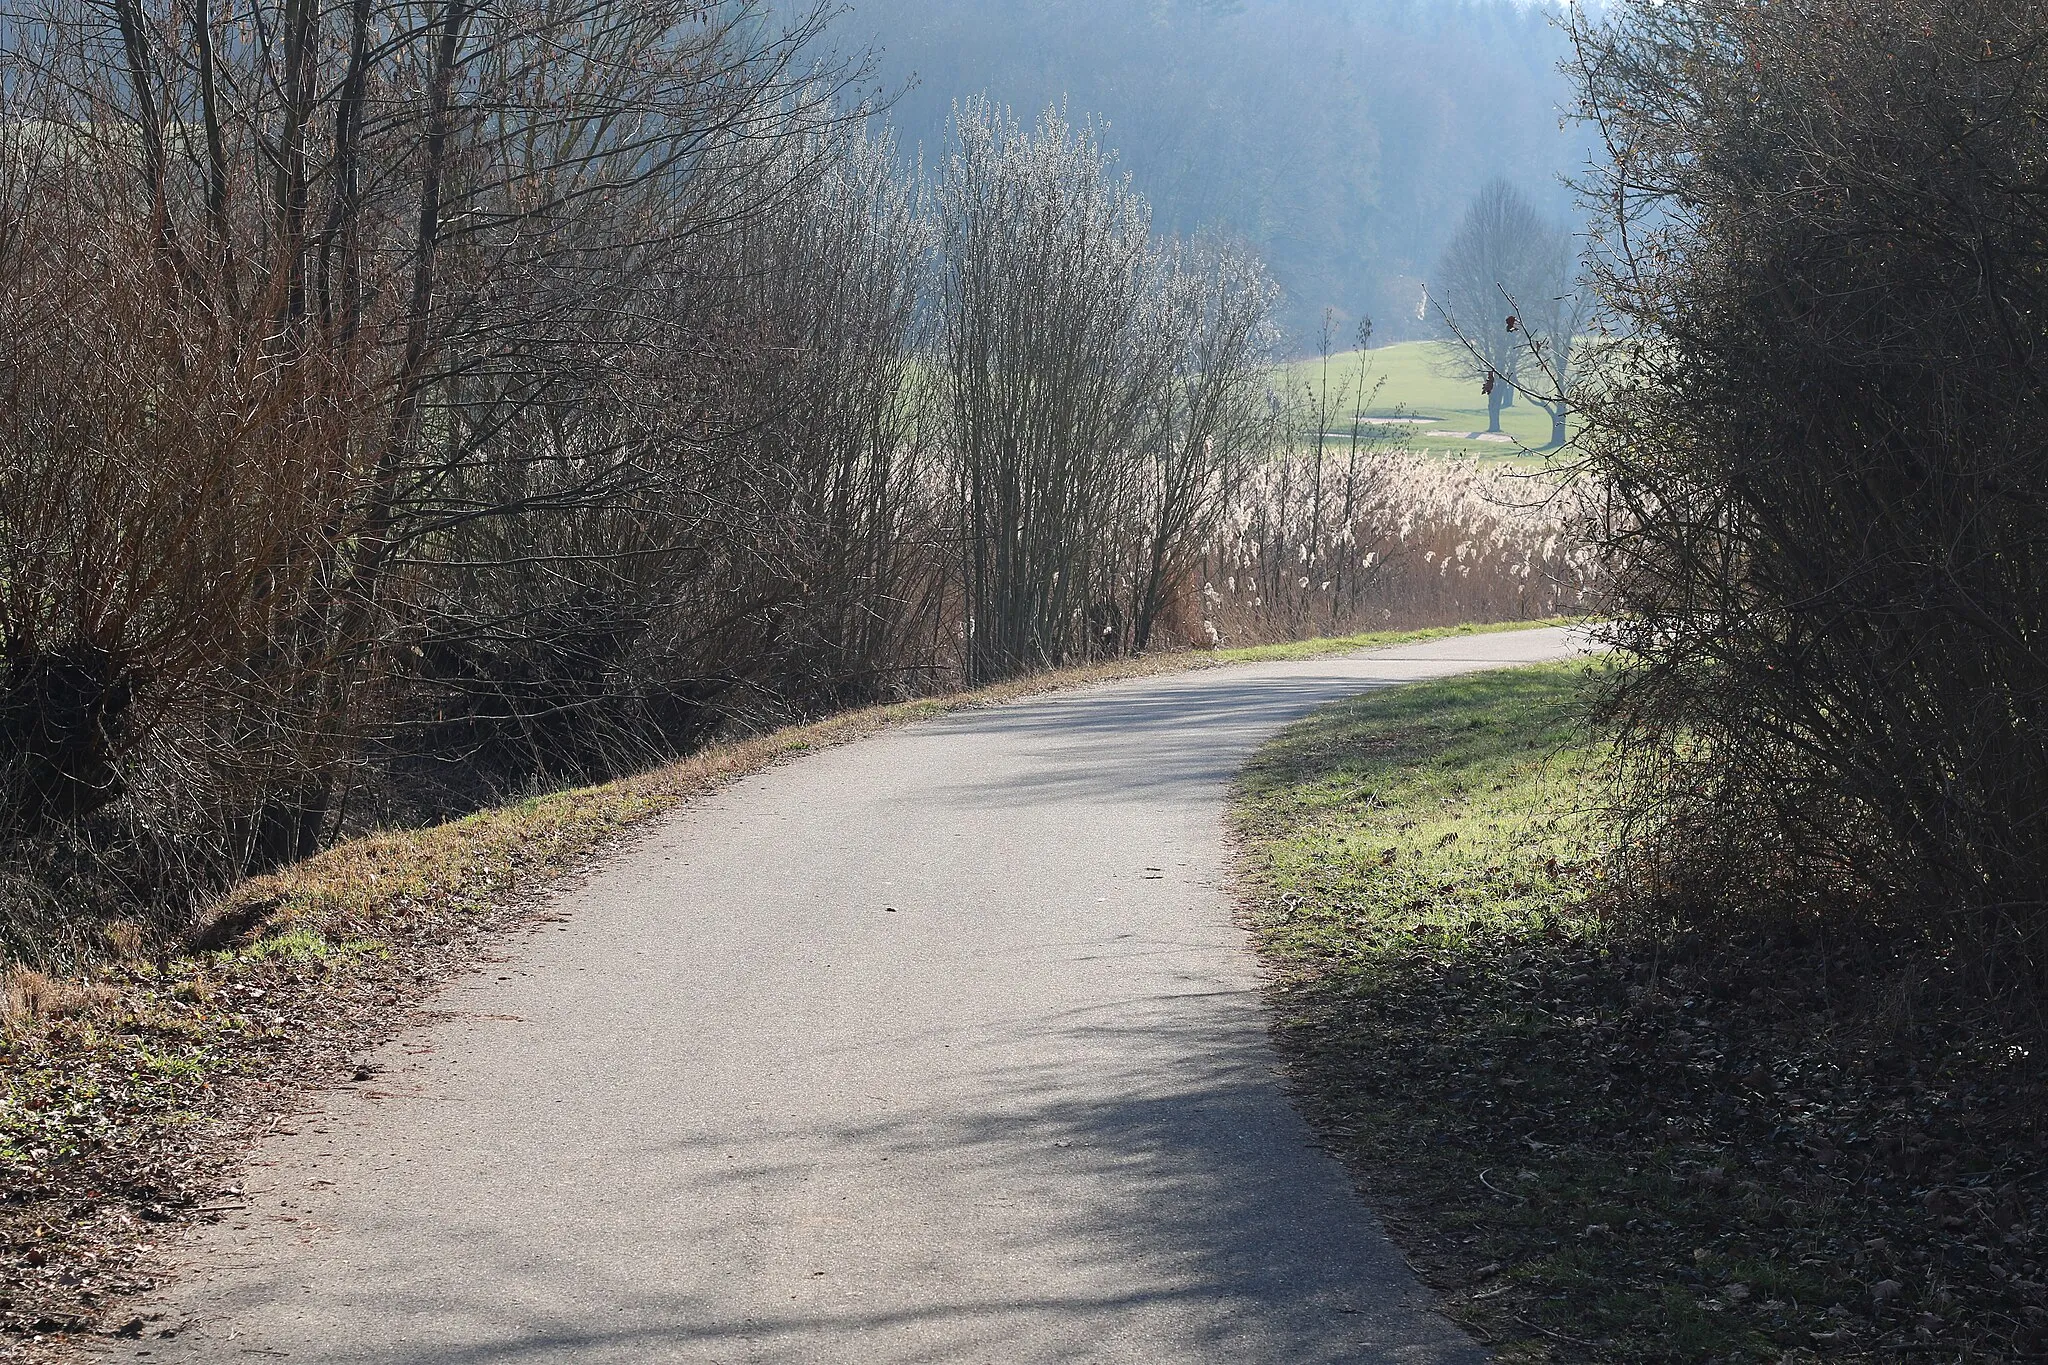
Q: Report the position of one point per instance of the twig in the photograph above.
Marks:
(1505, 1194)
(1538, 1327)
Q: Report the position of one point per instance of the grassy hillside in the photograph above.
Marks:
(1447, 412)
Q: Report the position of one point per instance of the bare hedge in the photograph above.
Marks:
(1821, 429)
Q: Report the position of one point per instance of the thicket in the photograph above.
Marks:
(1821, 435)
(1103, 394)
(407, 403)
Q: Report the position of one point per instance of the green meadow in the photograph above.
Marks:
(1428, 407)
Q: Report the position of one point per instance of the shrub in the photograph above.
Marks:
(1822, 431)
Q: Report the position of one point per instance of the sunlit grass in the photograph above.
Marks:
(1434, 808)
(1327, 645)
(1419, 384)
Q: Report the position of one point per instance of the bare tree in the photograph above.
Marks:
(1552, 322)
(1209, 422)
(1360, 480)
(1049, 287)
(1503, 250)
(830, 285)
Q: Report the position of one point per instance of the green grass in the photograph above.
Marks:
(1450, 806)
(1424, 859)
(302, 945)
(1599, 1136)
(1418, 385)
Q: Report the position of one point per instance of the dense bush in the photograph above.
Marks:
(402, 403)
(1822, 432)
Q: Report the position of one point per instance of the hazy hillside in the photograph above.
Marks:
(1342, 137)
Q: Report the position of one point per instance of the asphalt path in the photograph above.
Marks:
(941, 1046)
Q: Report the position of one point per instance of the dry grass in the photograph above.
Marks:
(28, 996)
(1428, 539)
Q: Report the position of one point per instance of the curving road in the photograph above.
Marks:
(941, 1046)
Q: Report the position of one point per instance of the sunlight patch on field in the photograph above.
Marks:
(1421, 404)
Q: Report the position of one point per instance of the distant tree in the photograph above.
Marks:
(1048, 277)
(1504, 253)
(1552, 316)
(1104, 392)
(1209, 424)
(1344, 194)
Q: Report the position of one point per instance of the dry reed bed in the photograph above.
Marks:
(1395, 539)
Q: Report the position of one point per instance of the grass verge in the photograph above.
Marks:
(1602, 1138)
(127, 1096)
(1325, 646)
